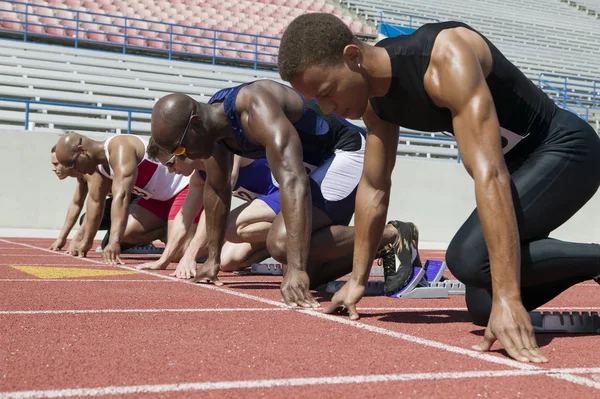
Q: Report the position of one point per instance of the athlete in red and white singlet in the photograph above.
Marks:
(161, 192)
(153, 181)
(125, 169)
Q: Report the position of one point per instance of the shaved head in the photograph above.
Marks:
(170, 116)
(79, 153)
(66, 148)
(180, 121)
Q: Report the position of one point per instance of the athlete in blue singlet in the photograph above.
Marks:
(267, 119)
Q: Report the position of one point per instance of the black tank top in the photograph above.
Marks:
(522, 108)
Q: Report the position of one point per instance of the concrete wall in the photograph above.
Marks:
(437, 195)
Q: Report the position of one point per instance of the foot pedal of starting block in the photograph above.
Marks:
(418, 287)
(417, 277)
(434, 270)
(376, 271)
(268, 266)
(454, 287)
(565, 322)
(415, 288)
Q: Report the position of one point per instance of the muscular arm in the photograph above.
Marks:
(184, 218)
(270, 126)
(123, 161)
(464, 91)
(217, 201)
(75, 207)
(373, 194)
(197, 243)
(98, 189)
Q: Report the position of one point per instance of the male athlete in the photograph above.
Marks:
(267, 119)
(76, 204)
(534, 165)
(85, 183)
(248, 224)
(124, 168)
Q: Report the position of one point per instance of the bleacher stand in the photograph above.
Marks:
(213, 28)
(58, 87)
(591, 7)
(546, 37)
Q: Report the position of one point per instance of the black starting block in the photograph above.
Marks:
(268, 267)
(565, 322)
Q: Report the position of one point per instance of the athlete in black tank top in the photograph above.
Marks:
(534, 165)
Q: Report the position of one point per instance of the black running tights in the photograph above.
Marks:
(552, 178)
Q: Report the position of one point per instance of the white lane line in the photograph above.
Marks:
(291, 382)
(28, 255)
(20, 249)
(175, 310)
(53, 264)
(410, 338)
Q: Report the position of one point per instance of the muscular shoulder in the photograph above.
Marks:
(269, 92)
(127, 146)
(457, 54)
(93, 178)
(455, 41)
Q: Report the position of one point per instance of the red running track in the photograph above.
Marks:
(144, 334)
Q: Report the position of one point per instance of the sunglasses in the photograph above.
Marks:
(171, 162)
(71, 164)
(179, 150)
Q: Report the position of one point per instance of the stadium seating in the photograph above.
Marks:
(540, 36)
(75, 82)
(545, 38)
(591, 7)
(236, 31)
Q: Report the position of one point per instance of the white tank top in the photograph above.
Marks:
(153, 178)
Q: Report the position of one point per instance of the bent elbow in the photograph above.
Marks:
(491, 173)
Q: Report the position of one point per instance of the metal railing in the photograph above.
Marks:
(585, 90)
(207, 43)
(407, 137)
(563, 93)
(28, 104)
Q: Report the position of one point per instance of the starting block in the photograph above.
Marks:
(426, 282)
(565, 322)
(268, 266)
(376, 271)
(454, 287)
